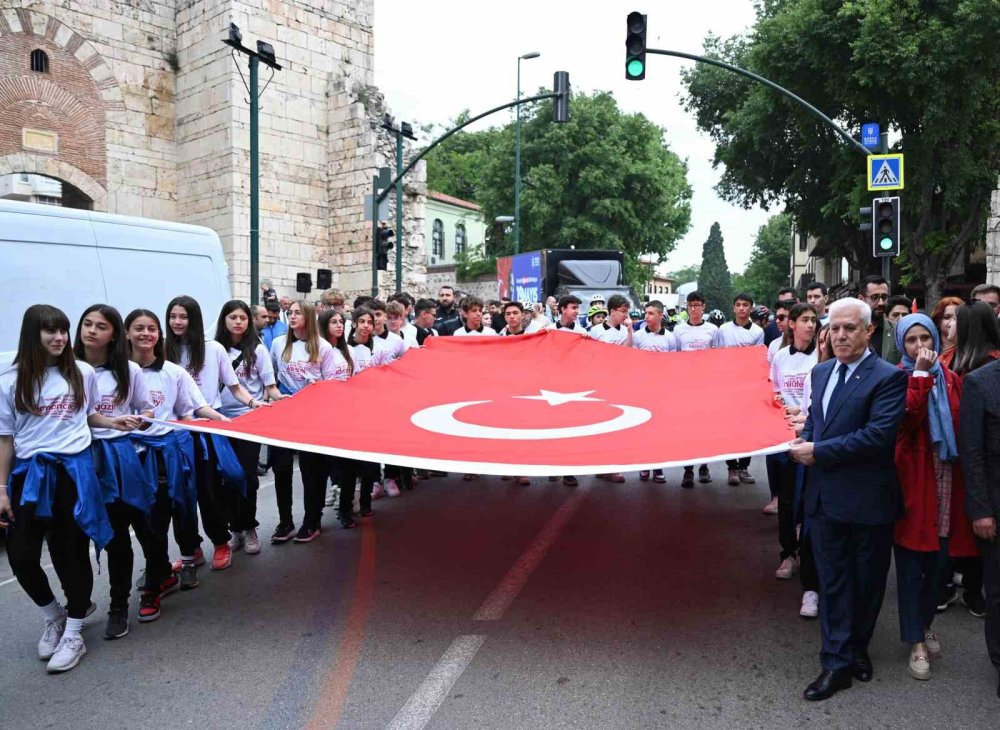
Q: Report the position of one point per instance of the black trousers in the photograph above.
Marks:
(786, 471)
(743, 463)
(69, 547)
(241, 511)
(991, 580)
(211, 502)
(121, 558)
(345, 473)
(402, 474)
(164, 511)
(315, 470)
(972, 574)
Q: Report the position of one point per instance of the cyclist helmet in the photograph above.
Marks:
(716, 317)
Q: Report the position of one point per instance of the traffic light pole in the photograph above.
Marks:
(375, 203)
(886, 260)
(254, 185)
(767, 82)
(399, 212)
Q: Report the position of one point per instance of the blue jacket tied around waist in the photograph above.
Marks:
(122, 475)
(177, 450)
(40, 486)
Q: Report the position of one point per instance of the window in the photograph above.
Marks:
(39, 61)
(437, 238)
(803, 242)
(459, 239)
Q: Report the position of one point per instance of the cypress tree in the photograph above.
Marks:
(714, 282)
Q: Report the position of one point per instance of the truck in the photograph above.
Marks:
(553, 272)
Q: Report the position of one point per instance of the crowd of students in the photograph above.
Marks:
(80, 462)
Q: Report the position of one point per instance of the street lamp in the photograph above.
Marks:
(517, 155)
(264, 54)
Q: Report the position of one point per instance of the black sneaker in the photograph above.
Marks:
(688, 480)
(284, 532)
(366, 512)
(188, 576)
(949, 597)
(348, 523)
(570, 481)
(117, 623)
(261, 470)
(658, 476)
(306, 534)
(975, 603)
(703, 475)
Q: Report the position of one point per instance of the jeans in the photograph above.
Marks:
(69, 547)
(919, 580)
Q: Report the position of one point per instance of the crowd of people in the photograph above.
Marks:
(897, 454)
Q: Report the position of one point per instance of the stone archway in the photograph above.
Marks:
(52, 167)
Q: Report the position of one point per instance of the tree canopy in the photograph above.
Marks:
(714, 281)
(927, 72)
(604, 180)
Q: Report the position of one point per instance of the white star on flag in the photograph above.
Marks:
(554, 398)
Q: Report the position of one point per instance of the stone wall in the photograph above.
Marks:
(484, 287)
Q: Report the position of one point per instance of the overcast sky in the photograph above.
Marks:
(434, 59)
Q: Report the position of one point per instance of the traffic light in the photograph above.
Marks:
(560, 105)
(885, 226)
(382, 248)
(324, 278)
(635, 47)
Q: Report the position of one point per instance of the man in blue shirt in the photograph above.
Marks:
(275, 327)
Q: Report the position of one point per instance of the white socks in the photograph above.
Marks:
(53, 612)
(73, 626)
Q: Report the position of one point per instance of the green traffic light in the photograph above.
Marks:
(885, 243)
(635, 67)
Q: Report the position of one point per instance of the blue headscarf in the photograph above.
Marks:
(939, 410)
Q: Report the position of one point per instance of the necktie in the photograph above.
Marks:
(841, 376)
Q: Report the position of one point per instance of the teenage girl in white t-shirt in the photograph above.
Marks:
(167, 456)
(300, 358)
(48, 487)
(128, 494)
(209, 364)
(250, 360)
(368, 351)
(344, 472)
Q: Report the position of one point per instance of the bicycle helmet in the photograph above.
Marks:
(716, 317)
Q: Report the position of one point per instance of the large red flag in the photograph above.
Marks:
(549, 403)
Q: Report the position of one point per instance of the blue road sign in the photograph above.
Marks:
(870, 135)
(885, 172)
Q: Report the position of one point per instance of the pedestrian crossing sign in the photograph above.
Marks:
(885, 172)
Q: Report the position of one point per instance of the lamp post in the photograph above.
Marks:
(517, 155)
(265, 54)
(404, 130)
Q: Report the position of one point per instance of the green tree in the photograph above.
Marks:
(770, 261)
(714, 281)
(455, 167)
(927, 71)
(604, 180)
(685, 274)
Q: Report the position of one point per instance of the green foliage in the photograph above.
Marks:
(714, 280)
(604, 180)
(928, 72)
(770, 261)
(472, 263)
(685, 274)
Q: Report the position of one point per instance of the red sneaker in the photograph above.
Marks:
(149, 607)
(170, 585)
(223, 557)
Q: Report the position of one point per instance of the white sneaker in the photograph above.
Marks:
(771, 508)
(788, 568)
(810, 605)
(391, 488)
(68, 653)
(251, 543)
(332, 493)
(236, 541)
(377, 491)
(51, 637)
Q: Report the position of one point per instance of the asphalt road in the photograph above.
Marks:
(487, 605)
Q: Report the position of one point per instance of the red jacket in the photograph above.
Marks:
(917, 528)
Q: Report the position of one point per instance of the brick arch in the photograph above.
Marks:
(52, 167)
(73, 99)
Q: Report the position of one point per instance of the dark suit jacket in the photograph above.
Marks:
(980, 442)
(854, 477)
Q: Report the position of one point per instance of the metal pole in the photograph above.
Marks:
(375, 236)
(517, 165)
(254, 187)
(886, 260)
(399, 212)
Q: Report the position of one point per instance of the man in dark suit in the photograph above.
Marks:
(852, 498)
(980, 451)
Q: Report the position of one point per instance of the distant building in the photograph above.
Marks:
(453, 226)
(29, 188)
(657, 287)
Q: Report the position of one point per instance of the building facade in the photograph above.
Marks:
(137, 108)
(452, 227)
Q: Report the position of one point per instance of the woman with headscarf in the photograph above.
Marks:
(933, 525)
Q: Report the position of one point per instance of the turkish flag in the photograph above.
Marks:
(548, 403)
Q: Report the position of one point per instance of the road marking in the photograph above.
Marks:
(500, 599)
(333, 695)
(423, 703)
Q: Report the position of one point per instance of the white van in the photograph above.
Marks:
(74, 258)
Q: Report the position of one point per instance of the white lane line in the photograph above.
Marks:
(423, 703)
(504, 594)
